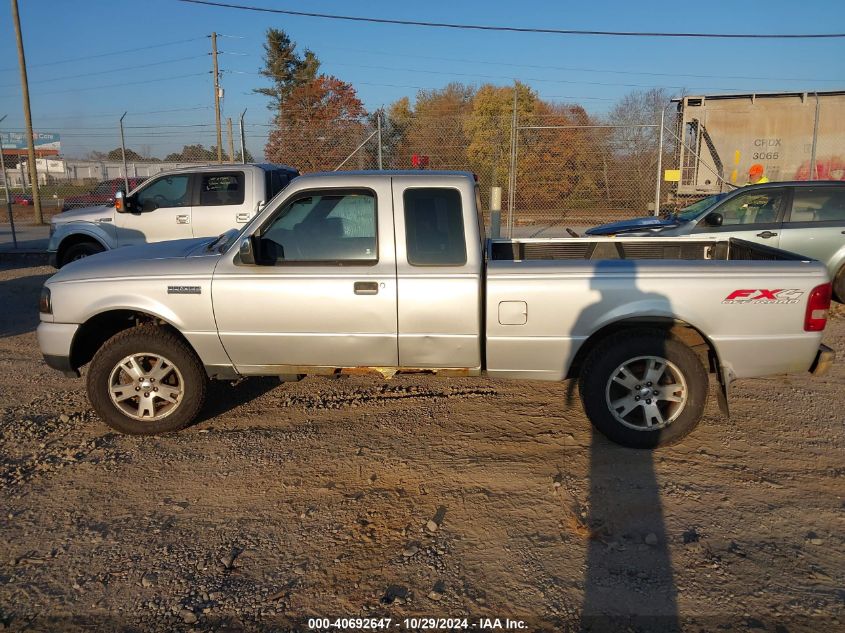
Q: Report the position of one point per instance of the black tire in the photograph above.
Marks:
(152, 340)
(597, 390)
(839, 286)
(79, 251)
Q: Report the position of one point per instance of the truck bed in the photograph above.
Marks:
(601, 248)
(546, 297)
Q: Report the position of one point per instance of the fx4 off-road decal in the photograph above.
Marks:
(764, 295)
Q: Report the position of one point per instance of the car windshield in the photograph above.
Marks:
(103, 187)
(693, 211)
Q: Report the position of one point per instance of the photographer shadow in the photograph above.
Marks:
(628, 582)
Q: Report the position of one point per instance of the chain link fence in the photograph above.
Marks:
(553, 169)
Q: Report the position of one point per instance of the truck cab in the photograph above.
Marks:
(391, 269)
(199, 201)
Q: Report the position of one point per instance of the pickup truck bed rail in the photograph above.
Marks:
(646, 248)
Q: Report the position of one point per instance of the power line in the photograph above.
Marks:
(112, 70)
(107, 114)
(505, 77)
(577, 69)
(120, 85)
(515, 29)
(120, 52)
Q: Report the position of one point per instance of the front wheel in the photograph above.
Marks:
(643, 389)
(145, 381)
(80, 251)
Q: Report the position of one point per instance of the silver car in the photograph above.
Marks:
(807, 218)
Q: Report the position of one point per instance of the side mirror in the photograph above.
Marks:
(120, 201)
(246, 251)
(714, 219)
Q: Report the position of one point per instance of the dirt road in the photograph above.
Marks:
(413, 497)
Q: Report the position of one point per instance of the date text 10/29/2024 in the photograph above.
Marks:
(416, 624)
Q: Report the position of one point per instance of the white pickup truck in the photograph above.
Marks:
(389, 272)
(197, 201)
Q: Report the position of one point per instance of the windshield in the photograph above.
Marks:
(103, 187)
(693, 211)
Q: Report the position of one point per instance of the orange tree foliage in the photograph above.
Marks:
(319, 124)
(560, 166)
(434, 127)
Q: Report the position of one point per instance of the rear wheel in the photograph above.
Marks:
(146, 380)
(80, 251)
(643, 389)
(839, 285)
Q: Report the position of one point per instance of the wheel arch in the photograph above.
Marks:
(100, 327)
(678, 329)
(78, 238)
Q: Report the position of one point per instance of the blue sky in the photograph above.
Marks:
(384, 62)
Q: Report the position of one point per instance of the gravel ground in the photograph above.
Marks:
(413, 497)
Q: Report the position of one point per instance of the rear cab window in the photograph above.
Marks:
(818, 204)
(276, 180)
(221, 189)
(434, 227)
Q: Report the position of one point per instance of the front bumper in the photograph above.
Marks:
(62, 364)
(823, 361)
(55, 341)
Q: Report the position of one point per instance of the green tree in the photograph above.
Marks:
(488, 128)
(285, 68)
(249, 156)
(117, 154)
(195, 153)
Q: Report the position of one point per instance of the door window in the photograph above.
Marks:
(170, 191)
(818, 204)
(277, 179)
(218, 189)
(330, 227)
(753, 207)
(434, 227)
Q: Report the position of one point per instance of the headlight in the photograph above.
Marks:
(45, 306)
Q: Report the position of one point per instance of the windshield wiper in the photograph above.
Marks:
(211, 246)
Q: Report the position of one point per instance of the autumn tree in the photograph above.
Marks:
(560, 164)
(632, 146)
(318, 125)
(488, 128)
(285, 67)
(434, 127)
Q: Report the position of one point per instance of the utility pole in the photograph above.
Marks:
(216, 97)
(123, 153)
(27, 113)
(514, 151)
(378, 114)
(231, 140)
(243, 141)
(659, 163)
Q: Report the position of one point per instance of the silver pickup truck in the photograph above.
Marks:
(390, 272)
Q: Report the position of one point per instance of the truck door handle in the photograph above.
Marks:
(366, 287)
(243, 216)
(182, 219)
(766, 234)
